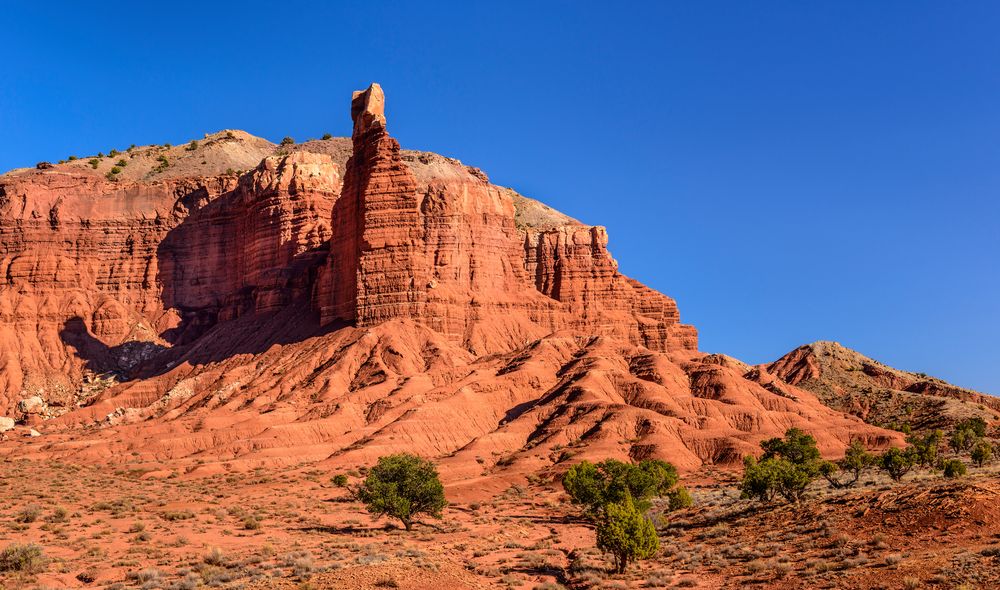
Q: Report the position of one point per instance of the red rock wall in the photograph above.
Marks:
(90, 267)
(429, 239)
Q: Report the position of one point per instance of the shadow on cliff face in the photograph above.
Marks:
(102, 359)
(240, 254)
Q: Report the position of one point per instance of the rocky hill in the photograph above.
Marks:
(878, 394)
(233, 303)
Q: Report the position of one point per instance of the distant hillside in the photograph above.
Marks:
(877, 393)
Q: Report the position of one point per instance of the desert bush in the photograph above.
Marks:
(924, 448)
(177, 515)
(339, 480)
(59, 514)
(957, 440)
(954, 468)
(22, 558)
(327, 136)
(94, 162)
(982, 452)
(896, 462)
(215, 557)
(28, 514)
(287, 141)
(787, 468)
(122, 163)
(251, 522)
(403, 486)
(192, 146)
(679, 498)
(626, 534)
(796, 447)
(976, 425)
(611, 481)
(856, 460)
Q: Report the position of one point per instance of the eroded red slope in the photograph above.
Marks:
(337, 304)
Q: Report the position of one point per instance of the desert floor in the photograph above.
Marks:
(102, 527)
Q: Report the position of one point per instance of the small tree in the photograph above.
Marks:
(925, 448)
(759, 479)
(856, 460)
(976, 425)
(982, 452)
(612, 481)
(797, 447)
(954, 468)
(626, 534)
(958, 440)
(787, 467)
(403, 486)
(327, 136)
(896, 462)
(287, 141)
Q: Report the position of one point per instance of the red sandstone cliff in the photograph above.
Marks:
(344, 298)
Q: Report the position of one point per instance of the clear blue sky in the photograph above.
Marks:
(788, 171)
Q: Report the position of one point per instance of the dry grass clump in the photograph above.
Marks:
(26, 558)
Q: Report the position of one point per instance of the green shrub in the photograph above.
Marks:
(94, 162)
(327, 136)
(896, 462)
(925, 447)
(287, 141)
(113, 153)
(797, 447)
(626, 534)
(976, 425)
(856, 460)
(22, 558)
(164, 163)
(982, 452)
(787, 468)
(679, 498)
(611, 481)
(403, 486)
(954, 468)
(71, 158)
(192, 146)
(339, 480)
(122, 163)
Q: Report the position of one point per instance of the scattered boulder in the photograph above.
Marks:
(6, 423)
(32, 405)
